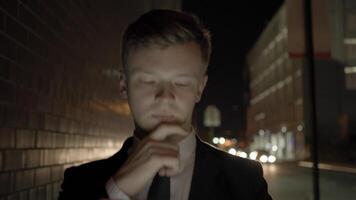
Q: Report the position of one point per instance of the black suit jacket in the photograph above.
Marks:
(216, 175)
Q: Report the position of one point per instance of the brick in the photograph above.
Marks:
(58, 107)
(10, 7)
(63, 125)
(14, 159)
(24, 195)
(24, 179)
(24, 57)
(42, 176)
(34, 120)
(69, 140)
(15, 196)
(25, 138)
(49, 191)
(60, 156)
(7, 138)
(33, 158)
(15, 117)
(7, 93)
(9, 48)
(56, 173)
(16, 30)
(44, 105)
(27, 18)
(48, 157)
(58, 140)
(56, 187)
(33, 42)
(7, 178)
(33, 194)
(44, 139)
(2, 115)
(51, 123)
(70, 155)
(25, 98)
(41, 193)
(2, 21)
(4, 68)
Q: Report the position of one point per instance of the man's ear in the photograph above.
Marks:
(123, 87)
(201, 88)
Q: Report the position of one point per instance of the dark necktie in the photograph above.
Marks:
(160, 188)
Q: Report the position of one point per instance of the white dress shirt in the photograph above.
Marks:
(180, 183)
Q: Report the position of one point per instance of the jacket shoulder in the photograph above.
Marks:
(85, 180)
(231, 161)
(244, 177)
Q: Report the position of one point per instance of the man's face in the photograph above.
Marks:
(163, 84)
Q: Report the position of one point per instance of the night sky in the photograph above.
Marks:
(235, 28)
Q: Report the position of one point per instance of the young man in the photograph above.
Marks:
(165, 55)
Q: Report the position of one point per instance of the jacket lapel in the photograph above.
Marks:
(206, 174)
(118, 159)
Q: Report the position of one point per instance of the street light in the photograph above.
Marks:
(274, 148)
(222, 140)
(232, 151)
(215, 140)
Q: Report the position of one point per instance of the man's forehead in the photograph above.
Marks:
(183, 59)
(154, 72)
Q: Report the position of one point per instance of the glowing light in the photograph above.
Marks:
(263, 158)
(215, 140)
(274, 148)
(350, 41)
(221, 140)
(300, 127)
(241, 154)
(232, 151)
(272, 159)
(261, 132)
(350, 69)
(253, 155)
(284, 129)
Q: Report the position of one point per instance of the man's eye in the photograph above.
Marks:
(181, 83)
(148, 81)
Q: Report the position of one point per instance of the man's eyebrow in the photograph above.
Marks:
(142, 71)
(138, 70)
(187, 75)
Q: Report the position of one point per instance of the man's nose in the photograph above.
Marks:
(165, 91)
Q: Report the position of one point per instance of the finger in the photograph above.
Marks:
(162, 162)
(148, 143)
(150, 154)
(164, 131)
(155, 155)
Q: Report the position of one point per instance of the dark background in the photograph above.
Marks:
(234, 28)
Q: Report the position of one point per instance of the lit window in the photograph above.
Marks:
(350, 70)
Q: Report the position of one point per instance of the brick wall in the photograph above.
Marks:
(57, 106)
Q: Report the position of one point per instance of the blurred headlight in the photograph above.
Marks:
(263, 158)
(232, 151)
(274, 148)
(241, 154)
(215, 140)
(272, 159)
(253, 155)
(221, 140)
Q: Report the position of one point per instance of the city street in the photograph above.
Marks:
(290, 181)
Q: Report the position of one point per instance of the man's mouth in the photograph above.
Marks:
(165, 118)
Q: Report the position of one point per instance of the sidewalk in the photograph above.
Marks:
(338, 167)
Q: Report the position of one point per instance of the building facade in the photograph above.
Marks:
(278, 90)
